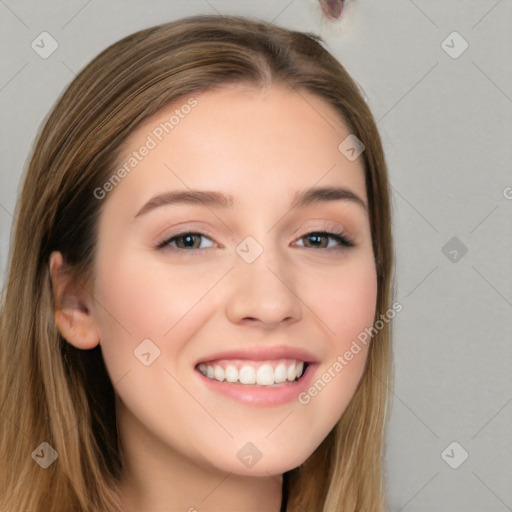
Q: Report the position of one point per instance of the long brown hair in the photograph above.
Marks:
(52, 392)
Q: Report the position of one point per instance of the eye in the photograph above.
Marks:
(185, 241)
(189, 241)
(326, 240)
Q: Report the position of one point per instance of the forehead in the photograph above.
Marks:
(260, 140)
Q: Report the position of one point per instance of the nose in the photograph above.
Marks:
(263, 293)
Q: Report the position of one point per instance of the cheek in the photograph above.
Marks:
(346, 301)
(353, 309)
(139, 300)
(129, 308)
(349, 301)
(147, 297)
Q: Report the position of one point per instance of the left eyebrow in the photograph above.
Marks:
(318, 195)
(222, 200)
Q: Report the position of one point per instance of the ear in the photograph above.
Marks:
(73, 307)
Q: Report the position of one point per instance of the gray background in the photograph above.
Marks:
(446, 124)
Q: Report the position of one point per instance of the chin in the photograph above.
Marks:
(249, 461)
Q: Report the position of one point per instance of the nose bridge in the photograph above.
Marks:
(262, 284)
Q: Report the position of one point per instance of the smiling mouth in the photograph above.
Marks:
(271, 373)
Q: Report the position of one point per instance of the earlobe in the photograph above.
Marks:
(72, 312)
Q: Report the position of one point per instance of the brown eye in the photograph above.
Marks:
(317, 240)
(322, 240)
(185, 241)
(188, 241)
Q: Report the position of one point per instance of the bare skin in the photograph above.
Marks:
(181, 438)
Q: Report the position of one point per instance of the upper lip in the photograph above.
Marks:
(259, 353)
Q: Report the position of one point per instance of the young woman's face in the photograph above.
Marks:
(209, 262)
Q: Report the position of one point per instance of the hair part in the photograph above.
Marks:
(53, 392)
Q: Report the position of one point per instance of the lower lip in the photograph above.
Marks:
(262, 395)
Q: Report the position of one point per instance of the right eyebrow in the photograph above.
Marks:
(204, 197)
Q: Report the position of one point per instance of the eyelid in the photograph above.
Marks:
(327, 226)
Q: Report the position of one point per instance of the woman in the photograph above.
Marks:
(197, 307)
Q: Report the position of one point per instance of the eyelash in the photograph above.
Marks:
(342, 239)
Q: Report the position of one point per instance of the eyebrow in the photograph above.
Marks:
(216, 199)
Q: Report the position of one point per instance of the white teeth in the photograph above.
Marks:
(247, 375)
(280, 373)
(300, 369)
(218, 373)
(265, 375)
(262, 374)
(291, 373)
(231, 373)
